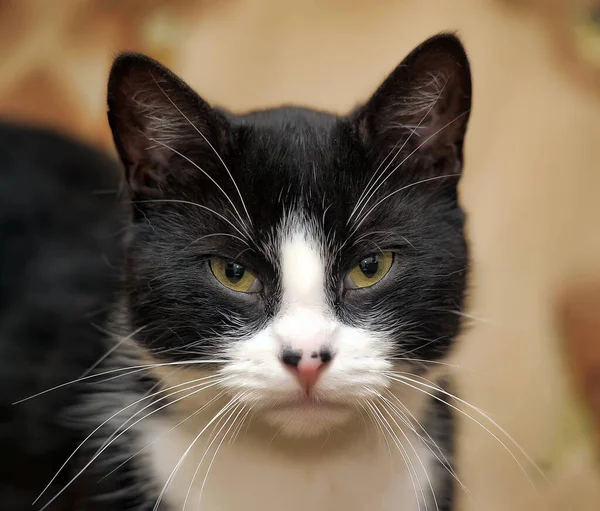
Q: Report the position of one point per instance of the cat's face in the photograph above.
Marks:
(308, 255)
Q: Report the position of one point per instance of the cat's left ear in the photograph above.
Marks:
(423, 107)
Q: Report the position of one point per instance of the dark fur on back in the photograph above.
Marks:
(62, 239)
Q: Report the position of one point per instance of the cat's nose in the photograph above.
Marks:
(307, 367)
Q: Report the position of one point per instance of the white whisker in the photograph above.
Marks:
(135, 369)
(225, 408)
(115, 347)
(413, 132)
(242, 223)
(241, 409)
(402, 450)
(401, 163)
(99, 452)
(190, 203)
(399, 427)
(209, 144)
(156, 439)
(404, 380)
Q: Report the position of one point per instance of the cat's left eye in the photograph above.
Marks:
(234, 276)
(369, 270)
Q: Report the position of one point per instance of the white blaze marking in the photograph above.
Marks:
(303, 270)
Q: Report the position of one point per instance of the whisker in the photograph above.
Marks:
(401, 189)
(407, 157)
(373, 176)
(375, 421)
(402, 450)
(405, 380)
(205, 173)
(156, 439)
(115, 347)
(443, 460)
(119, 370)
(387, 411)
(213, 235)
(209, 144)
(98, 453)
(225, 408)
(190, 203)
(216, 379)
(426, 441)
(236, 432)
(413, 131)
(224, 421)
(241, 409)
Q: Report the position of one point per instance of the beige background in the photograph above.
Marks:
(531, 186)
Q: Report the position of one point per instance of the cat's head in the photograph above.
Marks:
(308, 255)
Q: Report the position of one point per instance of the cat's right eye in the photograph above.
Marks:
(234, 276)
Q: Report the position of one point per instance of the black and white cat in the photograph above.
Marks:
(292, 288)
(302, 270)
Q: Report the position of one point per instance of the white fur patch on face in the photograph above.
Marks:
(303, 269)
(307, 325)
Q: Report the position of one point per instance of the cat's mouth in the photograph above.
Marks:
(309, 403)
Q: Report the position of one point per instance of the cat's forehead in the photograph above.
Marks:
(290, 142)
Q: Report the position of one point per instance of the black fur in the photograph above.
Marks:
(285, 159)
(62, 240)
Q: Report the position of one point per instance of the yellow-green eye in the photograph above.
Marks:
(370, 270)
(234, 275)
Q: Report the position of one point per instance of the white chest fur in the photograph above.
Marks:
(361, 473)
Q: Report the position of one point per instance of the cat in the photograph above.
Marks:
(292, 285)
(63, 232)
(294, 276)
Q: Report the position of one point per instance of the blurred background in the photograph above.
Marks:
(531, 358)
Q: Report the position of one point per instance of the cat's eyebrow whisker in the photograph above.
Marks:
(106, 445)
(412, 132)
(209, 144)
(403, 452)
(124, 371)
(232, 402)
(214, 235)
(409, 383)
(401, 163)
(401, 189)
(371, 233)
(242, 223)
(190, 203)
(362, 194)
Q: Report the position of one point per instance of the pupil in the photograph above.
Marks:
(369, 266)
(234, 272)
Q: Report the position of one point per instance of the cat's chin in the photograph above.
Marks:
(308, 419)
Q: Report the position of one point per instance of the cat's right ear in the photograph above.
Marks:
(155, 119)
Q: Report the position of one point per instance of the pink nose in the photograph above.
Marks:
(307, 369)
